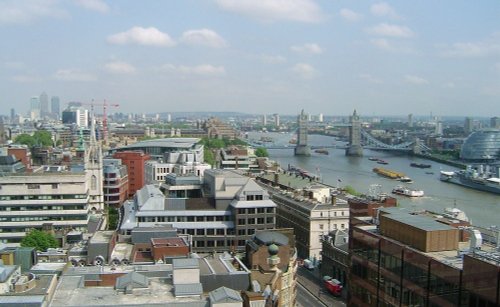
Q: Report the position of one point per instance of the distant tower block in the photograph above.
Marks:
(354, 149)
(302, 148)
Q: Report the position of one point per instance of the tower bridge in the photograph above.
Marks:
(359, 139)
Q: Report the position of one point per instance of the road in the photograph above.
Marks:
(310, 292)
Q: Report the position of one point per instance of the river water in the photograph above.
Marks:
(482, 208)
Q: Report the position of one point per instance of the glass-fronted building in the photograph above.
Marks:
(482, 145)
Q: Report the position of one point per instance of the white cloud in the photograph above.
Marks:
(16, 65)
(74, 75)
(118, 67)
(304, 70)
(20, 12)
(201, 70)
(392, 46)
(390, 30)
(26, 78)
(273, 10)
(308, 48)
(449, 84)
(142, 36)
(487, 47)
(497, 66)
(350, 15)
(94, 5)
(273, 59)
(383, 9)
(370, 78)
(203, 37)
(415, 80)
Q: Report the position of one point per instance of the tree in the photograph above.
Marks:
(39, 239)
(25, 139)
(112, 218)
(261, 152)
(43, 138)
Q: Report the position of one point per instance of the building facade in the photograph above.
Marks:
(115, 186)
(135, 162)
(220, 213)
(53, 198)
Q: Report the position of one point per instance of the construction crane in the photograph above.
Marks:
(105, 106)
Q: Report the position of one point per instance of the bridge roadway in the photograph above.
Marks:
(273, 146)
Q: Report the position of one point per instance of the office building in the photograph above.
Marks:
(55, 107)
(52, 197)
(403, 259)
(495, 122)
(77, 116)
(44, 105)
(157, 148)
(34, 108)
(135, 162)
(115, 187)
(219, 213)
(308, 207)
(482, 145)
(276, 120)
(468, 125)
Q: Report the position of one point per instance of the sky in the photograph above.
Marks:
(257, 57)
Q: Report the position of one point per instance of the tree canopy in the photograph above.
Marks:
(261, 152)
(41, 137)
(39, 239)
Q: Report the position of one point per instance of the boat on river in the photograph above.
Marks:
(388, 173)
(478, 179)
(405, 191)
(420, 165)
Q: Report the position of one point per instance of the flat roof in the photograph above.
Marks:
(166, 142)
(421, 222)
(187, 263)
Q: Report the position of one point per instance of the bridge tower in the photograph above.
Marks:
(302, 149)
(354, 149)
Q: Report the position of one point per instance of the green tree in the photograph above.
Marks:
(39, 239)
(352, 191)
(25, 139)
(208, 156)
(43, 138)
(261, 152)
(112, 218)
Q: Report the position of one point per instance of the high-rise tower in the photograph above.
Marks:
(55, 107)
(354, 148)
(44, 105)
(302, 148)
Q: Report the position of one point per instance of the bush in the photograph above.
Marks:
(40, 240)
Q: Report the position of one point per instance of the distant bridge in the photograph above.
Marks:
(367, 142)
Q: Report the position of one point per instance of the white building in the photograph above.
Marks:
(186, 162)
(51, 197)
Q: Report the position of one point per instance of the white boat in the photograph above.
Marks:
(405, 179)
(405, 191)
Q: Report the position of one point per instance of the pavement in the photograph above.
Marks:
(310, 291)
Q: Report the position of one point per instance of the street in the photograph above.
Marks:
(310, 291)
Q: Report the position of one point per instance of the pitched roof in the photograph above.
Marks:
(133, 279)
(224, 295)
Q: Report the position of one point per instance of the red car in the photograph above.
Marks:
(333, 286)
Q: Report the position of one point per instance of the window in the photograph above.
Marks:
(260, 220)
(190, 218)
(250, 197)
(241, 232)
(241, 221)
(269, 220)
(200, 232)
(270, 210)
(321, 226)
(260, 210)
(200, 218)
(251, 221)
(210, 232)
(342, 226)
(93, 182)
(220, 232)
(251, 211)
(55, 185)
(241, 211)
(259, 197)
(251, 231)
(33, 186)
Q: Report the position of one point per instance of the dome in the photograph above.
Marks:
(482, 145)
(273, 249)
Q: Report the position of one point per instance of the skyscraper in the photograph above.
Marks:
(34, 107)
(495, 122)
(410, 120)
(55, 107)
(12, 114)
(468, 125)
(277, 120)
(44, 104)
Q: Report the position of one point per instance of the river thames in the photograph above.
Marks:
(335, 169)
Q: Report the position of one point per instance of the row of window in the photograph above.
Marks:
(36, 208)
(255, 210)
(258, 221)
(255, 197)
(172, 219)
(218, 243)
(43, 197)
(43, 218)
